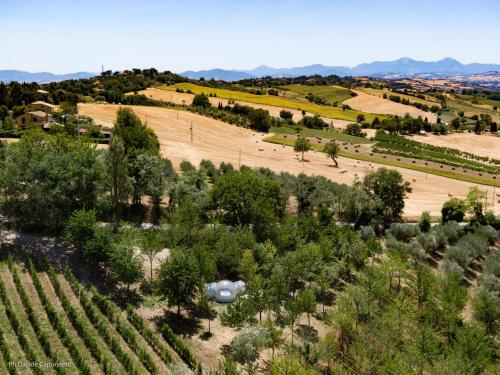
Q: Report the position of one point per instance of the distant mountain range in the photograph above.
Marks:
(404, 67)
(42, 77)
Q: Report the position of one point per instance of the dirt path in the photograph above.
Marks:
(373, 104)
(217, 141)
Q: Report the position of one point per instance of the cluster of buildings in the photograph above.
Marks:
(38, 112)
(41, 113)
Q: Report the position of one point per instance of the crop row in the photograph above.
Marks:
(125, 330)
(149, 335)
(41, 335)
(57, 323)
(106, 309)
(78, 324)
(397, 145)
(181, 348)
(469, 247)
(393, 139)
(7, 357)
(17, 326)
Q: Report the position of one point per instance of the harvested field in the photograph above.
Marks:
(482, 145)
(374, 104)
(219, 142)
(185, 98)
(277, 101)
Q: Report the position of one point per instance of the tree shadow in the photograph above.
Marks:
(307, 334)
(180, 324)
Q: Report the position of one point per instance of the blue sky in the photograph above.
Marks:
(74, 35)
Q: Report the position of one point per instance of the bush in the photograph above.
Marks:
(366, 232)
(425, 221)
(186, 166)
(454, 209)
(201, 100)
(452, 268)
(428, 242)
(459, 255)
(403, 232)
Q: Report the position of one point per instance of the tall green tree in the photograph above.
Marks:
(179, 278)
(390, 189)
(117, 170)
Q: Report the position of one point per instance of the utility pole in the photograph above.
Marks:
(191, 129)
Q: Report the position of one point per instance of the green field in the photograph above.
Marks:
(277, 101)
(331, 94)
(329, 134)
(470, 109)
(393, 163)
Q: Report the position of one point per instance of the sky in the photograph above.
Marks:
(63, 36)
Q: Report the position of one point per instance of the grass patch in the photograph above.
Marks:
(393, 163)
(277, 101)
(329, 134)
(331, 94)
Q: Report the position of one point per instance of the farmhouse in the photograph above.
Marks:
(38, 112)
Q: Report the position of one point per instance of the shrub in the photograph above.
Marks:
(201, 100)
(403, 232)
(425, 221)
(186, 166)
(488, 232)
(428, 242)
(416, 249)
(451, 230)
(454, 209)
(460, 255)
(452, 268)
(366, 232)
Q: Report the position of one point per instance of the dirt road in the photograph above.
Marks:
(219, 142)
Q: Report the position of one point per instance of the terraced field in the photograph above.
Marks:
(277, 101)
(49, 317)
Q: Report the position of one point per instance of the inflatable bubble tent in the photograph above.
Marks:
(224, 291)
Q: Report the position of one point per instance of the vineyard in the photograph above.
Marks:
(401, 146)
(50, 317)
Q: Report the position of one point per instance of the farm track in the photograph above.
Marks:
(218, 141)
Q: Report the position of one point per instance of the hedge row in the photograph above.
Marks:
(80, 327)
(57, 324)
(18, 329)
(40, 333)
